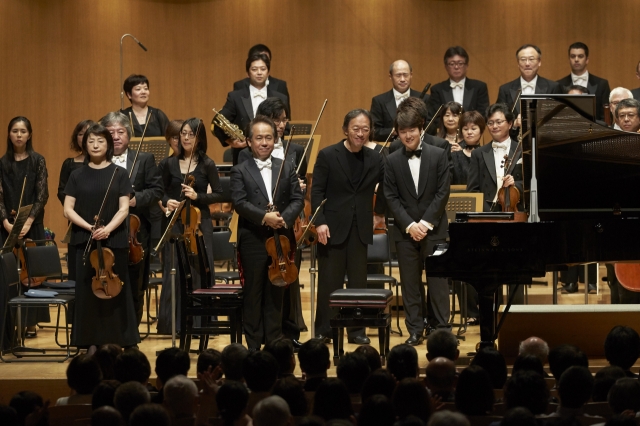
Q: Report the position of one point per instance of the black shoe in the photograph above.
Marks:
(296, 345)
(414, 339)
(359, 340)
(473, 321)
(593, 288)
(570, 287)
(252, 350)
(325, 338)
(429, 329)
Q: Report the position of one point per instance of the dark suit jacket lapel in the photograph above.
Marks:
(343, 161)
(592, 85)
(130, 155)
(368, 160)
(491, 163)
(513, 90)
(541, 86)
(275, 169)
(405, 171)
(390, 104)
(468, 95)
(448, 92)
(246, 102)
(424, 170)
(253, 170)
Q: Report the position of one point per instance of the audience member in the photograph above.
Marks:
(402, 362)
(282, 350)
(353, 369)
(474, 392)
(106, 357)
(412, 398)
(232, 399)
(493, 363)
(621, 421)
(8, 416)
(377, 411)
(441, 378)
(314, 363)
(106, 416)
(622, 347)
(535, 346)
(624, 395)
(132, 365)
(604, 379)
(528, 363)
(527, 389)
(332, 401)
(208, 358)
(170, 362)
(128, 396)
(372, 355)
(448, 418)
(442, 343)
(260, 371)
(25, 403)
(272, 411)
(564, 356)
(519, 416)
(380, 382)
(231, 361)
(150, 415)
(83, 375)
(574, 389)
(290, 389)
(181, 398)
(104, 393)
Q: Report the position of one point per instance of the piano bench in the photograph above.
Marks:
(360, 307)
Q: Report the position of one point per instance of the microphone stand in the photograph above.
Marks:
(121, 80)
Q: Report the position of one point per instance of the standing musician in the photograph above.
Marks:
(191, 159)
(417, 187)
(100, 321)
(346, 176)
(147, 187)
(242, 104)
(21, 162)
(253, 183)
(275, 109)
(136, 87)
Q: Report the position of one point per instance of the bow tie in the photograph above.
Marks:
(263, 164)
(411, 154)
(278, 145)
(457, 85)
(122, 158)
(579, 79)
(528, 86)
(499, 145)
(402, 96)
(260, 94)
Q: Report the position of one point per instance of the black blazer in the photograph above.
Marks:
(634, 92)
(430, 201)
(250, 197)
(146, 182)
(276, 84)
(383, 111)
(508, 92)
(294, 156)
(476, 97)
(596, 86)
(482, 174)
(332, 180)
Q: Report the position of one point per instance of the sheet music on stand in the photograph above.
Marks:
(18, 224)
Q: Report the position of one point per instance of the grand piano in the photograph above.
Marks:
(582, 194)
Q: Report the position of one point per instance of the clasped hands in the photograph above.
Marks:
(418, 231)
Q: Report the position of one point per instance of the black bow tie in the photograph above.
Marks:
(410, 154)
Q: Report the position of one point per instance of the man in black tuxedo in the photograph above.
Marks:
(148, 187)
(579, 59)
(416, 186)
(383, 107)
(242, 104)
(252, 184)
(276, 84)
(346, 175)
(486, 175)
(471, 94)
(617, 95)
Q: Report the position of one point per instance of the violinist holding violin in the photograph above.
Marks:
(252, 185)
(100, 321)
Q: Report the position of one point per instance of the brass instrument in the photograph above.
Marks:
(232, 130)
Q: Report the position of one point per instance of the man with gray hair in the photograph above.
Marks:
(272, 411)
(616, 95)
(628, 115)
(534, 346)
(147, 184)
(448, 418)
(180, 398)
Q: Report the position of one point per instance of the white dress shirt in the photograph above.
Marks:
(528, 87)
(580, 80)
(498, 157)
(458, 90)
(414, 166)
(278, 150)
(121, 160)
(265, 172)
(399, 97)
(257, 97)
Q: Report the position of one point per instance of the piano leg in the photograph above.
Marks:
(489, 304)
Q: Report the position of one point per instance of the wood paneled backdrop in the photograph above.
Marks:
(60, 58)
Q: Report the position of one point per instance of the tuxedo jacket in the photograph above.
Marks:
(482, 174)
(276, 84)
(383, 112)
(429, 202)
(508, 92)
(596, 86)
(332, 180)
(250, 197)
(146, 181)
(634, 92)
(295, 156)
(475, 98)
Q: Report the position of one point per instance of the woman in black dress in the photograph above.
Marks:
(136, 87)
(20, 162)
(100, 321)
(471, 126)
(195, 162)
(448, 128)
(68, 166)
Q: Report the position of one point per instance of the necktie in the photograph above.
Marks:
(457, 85)
(263, 164)
(499, 145)
(411, 154)
(401, 97)
(278, 145)
(262, 93)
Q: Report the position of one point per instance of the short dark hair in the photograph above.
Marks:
(519, 416)
(628, 103)
(622, 344)
(104, 393)
(442, 343)
(579, 45)
(132, 365)
(356, 113)
(377, 410)
(472, 117)
(582, 89)
(272, 107)
(474, 392)
(456, 51)
(173, 129)
(527, 389)
(494, 363)
(260, 371)
(604, 379)
(83, 374)
(258, 57)
(171, 362)
(197, 127)
(402, 361)
(314, 357)
(564, 356)
(504, 109)
(83, 125)
(106, 356)
(150, 415)
(231, 361)
(526, 46)
(372, 355)
(411, 398)
(625, 395)
(332, 400)
(282, 351)
(455, 108)
(25, 403)
(208, 358)
(132, 81)
(129, 396)
(528, 363)
(106, 416)
(379, 382)
(259, 48)
(232, 399)
(353, 369)
(290, 389)
(261, 119)
(575, 387)
(99, 130)
(412, 112)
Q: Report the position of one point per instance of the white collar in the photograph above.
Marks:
(585, 75)
(123, 155)
(464, 79)
(534, 81)
(254, 89)
(396, 93)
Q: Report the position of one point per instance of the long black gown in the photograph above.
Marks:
(68, 166)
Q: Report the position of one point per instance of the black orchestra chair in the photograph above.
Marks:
(155, 268)
(224, 251)
(219, 215)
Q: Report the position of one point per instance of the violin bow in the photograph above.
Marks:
(313, 130)
(97, 218)
(144, 131)
(513, 108)
(311, 222)
(431, 122)
(286, 151)
(24, 184)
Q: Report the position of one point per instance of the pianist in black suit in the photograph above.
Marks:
(383, 107)
(471, 94)
(486, 175)
(579, 59)
(417, 186)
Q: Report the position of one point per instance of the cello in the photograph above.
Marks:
(136, 252)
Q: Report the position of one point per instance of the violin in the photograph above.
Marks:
(105, 284)
(282, 270)
(190, 216)
(136, 252)
(309, 236)
(509, 197)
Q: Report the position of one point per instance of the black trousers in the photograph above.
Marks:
(472, 298)
(334, 261)
(292, 320)
(411, 257)
(574, 272)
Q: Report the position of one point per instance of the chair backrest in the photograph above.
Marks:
(483, 420)
(43, 260)
(602, 409)
(64, 415)
(378, 252)
(227, 155)
(225, 183)
(223, 250)
(8, 270)
(185, 279)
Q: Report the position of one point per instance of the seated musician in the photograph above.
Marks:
(616, 95)
(252, 183)
(417, 201)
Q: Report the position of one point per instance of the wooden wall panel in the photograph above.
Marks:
(60, 59)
